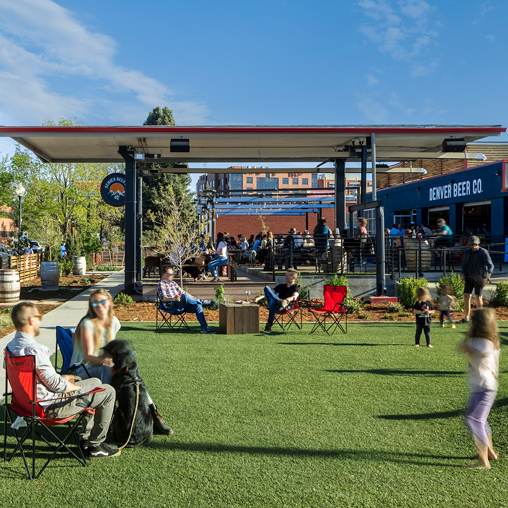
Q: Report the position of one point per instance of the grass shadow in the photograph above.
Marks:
(362, 344)
(441, 414)
(346, 454)
(396, 372)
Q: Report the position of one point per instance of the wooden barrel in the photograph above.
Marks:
(412, 246)
(50, 275)
(9, 286)
(79, 265)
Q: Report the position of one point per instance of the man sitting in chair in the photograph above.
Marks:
(175, 299)
(56, 393)
(288, 293)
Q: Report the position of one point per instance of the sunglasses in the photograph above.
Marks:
(102, 302)
(38, 316)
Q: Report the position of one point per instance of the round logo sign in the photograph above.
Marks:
(113, 189)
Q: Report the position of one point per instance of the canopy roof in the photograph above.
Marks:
(244, 143)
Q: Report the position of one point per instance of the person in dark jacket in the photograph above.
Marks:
(476, 270)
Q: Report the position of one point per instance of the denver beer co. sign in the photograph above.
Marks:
(456, 189)
(113, 189)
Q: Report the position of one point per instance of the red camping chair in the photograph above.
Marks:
(291, 313)
(21, 375)
(333, 308)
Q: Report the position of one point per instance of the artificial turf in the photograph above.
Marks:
(292, 419)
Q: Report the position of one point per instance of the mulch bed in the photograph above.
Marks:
(145, 311)
(43, 309)
(70, 286)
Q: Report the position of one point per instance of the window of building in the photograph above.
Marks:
(285, 181)
(249, 188)
(267, 175)
(370, 215)
(249, 179)
(305, 181)
(295, 181)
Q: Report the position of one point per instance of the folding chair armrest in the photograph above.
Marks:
(94, 390)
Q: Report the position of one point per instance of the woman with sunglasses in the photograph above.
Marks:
(98, 327)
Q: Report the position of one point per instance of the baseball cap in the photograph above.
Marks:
(474, 240)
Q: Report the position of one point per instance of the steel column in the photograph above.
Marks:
(130, 219)
(139, 227)
(363, 181)
(340, 194)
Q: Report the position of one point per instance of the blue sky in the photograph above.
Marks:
(277, 62)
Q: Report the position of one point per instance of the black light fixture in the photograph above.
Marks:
(179, 145)
(454, 145)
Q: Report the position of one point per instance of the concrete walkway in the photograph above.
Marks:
(67, 314)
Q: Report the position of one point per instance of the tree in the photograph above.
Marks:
(174, 234)
(155, 186)
(67, 194)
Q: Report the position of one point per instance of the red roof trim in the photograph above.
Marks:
(252, 130)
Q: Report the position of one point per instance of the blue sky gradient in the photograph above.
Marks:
(271, 62)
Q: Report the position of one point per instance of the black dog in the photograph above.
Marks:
(130, 391)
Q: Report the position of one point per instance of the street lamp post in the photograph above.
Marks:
(20, 192)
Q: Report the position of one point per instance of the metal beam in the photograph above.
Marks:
(130, 219)
(340, 194)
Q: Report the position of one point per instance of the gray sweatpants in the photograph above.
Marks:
(95, 426)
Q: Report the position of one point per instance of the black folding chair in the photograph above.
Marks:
(173, 320)
(291, 314)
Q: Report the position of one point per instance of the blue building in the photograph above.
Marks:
(467, 200)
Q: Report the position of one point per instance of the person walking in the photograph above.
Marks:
(422, 310)
(482, 346)
(446, 304)
(477, 267)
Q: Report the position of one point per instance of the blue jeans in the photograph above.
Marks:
(273, 304)
(103, 372)
(213, 265)
(187, 304)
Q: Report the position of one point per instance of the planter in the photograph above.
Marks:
(412, 249)
(79, 265)
(9, 286)
(50, 275)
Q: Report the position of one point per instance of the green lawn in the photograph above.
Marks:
(294, 419)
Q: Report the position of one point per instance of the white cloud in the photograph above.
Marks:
(371, 80)
(374, 111)
(403, 29)
(42, 47)
(490, 37)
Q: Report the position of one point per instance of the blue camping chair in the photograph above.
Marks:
(172, 320)
(64, 343)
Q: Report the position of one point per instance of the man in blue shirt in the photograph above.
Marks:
(63, 250)
(444, 234)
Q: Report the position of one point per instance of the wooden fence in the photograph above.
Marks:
(28, 266)
(109, 258)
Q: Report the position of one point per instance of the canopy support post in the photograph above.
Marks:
(340, 195)
(130, 219)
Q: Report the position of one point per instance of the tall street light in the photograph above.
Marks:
(20, 192)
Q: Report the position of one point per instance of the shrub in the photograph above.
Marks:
(500, 296)
(363, 316)
(220, 295)
(405, 314)
(406, 290)
(5, 318)
(390, 317)
(65, 267)
(455, 281)
(353, 305)
(123, 299)
(105, 268)
(394, 307)
(337, 280)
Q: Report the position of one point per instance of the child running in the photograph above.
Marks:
(446, 304)
(422, 309)
(482, 346)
